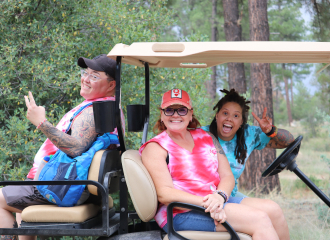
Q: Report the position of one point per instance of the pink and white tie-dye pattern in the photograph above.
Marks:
(48, 148)
(193, 172)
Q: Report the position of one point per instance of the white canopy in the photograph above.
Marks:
(208, 54)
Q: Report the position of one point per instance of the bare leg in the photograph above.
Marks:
(23, 237)
(249, 220)
(274, 212)
(7, 219)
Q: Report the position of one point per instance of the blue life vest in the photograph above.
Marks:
(63, 167)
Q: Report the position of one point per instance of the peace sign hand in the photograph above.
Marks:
(265, 123)
(36, 114)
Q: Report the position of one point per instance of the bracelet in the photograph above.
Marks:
(222, 194)
(41, 123)
(271, 131)
(275, 133)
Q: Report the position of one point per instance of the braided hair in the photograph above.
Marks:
(233, 96)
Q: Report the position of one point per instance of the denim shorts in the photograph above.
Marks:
(197, 221)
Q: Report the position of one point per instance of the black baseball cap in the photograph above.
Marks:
(99, 63)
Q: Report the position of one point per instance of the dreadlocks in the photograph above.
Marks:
(233, 96)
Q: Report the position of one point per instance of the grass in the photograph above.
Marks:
(307, 216)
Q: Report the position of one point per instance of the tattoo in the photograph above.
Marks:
(217, 144)
(281, 140)
(82, 134)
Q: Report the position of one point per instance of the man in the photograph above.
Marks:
(97, 84)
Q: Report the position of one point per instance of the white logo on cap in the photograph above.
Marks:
(176, 93)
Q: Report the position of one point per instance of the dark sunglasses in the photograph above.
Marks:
(182, 111)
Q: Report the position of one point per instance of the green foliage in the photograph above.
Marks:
(38, 47)
(305, 108)
(285, 21)
(40, 42)
(299, 184)
(322, 210)
(320, 20)
(322, 82)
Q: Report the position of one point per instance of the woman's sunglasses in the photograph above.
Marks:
(182, 111)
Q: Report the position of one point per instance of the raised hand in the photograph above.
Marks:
(36, 114)
(265, 122)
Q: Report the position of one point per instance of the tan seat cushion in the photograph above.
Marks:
(53, 213)
(94, 170)
(197, 235)
(140, 185)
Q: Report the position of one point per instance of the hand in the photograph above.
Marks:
(219, 217)
(213, 203)
(36, 114)
(265, 123)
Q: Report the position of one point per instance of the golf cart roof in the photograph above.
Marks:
(208, 54)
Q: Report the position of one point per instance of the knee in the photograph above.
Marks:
(263, 221)
(274, 210)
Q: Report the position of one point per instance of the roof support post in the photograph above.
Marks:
(147, 103)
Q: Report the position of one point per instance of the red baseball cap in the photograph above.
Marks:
(176, 96)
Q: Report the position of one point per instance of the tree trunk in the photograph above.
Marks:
(287, 97)
(261, 87)
(233, 32)
(291, 89)
(211, 85)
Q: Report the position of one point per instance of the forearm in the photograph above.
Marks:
(68, 144)
(281, 140)
(227, 184)
(168, 195)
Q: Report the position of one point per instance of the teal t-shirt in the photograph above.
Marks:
(255, 138)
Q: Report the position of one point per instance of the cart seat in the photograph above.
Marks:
(144, 196)
(53, 213)
(75, 214)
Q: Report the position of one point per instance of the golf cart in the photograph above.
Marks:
(122, 169)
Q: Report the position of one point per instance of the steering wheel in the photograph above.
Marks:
(282, 161)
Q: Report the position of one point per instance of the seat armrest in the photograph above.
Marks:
(108, 176)
(173, 235)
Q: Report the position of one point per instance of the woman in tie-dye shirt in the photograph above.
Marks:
(238, 140)
(197, 172)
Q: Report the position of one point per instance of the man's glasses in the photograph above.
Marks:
(182, 111)
(93, 78)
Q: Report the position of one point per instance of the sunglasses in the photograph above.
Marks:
(182, 111)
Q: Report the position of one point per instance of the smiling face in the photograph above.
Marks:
(176, 123)
(229, 120)
(96, 89)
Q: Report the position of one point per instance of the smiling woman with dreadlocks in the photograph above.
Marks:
(238, 140)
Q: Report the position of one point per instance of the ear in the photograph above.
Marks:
(112, 86)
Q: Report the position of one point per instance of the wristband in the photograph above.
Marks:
(271, 131)
(41, 123)
(222, 194)
(274, 133)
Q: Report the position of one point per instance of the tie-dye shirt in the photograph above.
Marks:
(193, 172)
(255, 138)
(48, 148)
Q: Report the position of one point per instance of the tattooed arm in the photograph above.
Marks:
(281, 140)
(82, 134)
(82, 130)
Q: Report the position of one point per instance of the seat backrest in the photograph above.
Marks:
(104, 161)
(140, 185)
